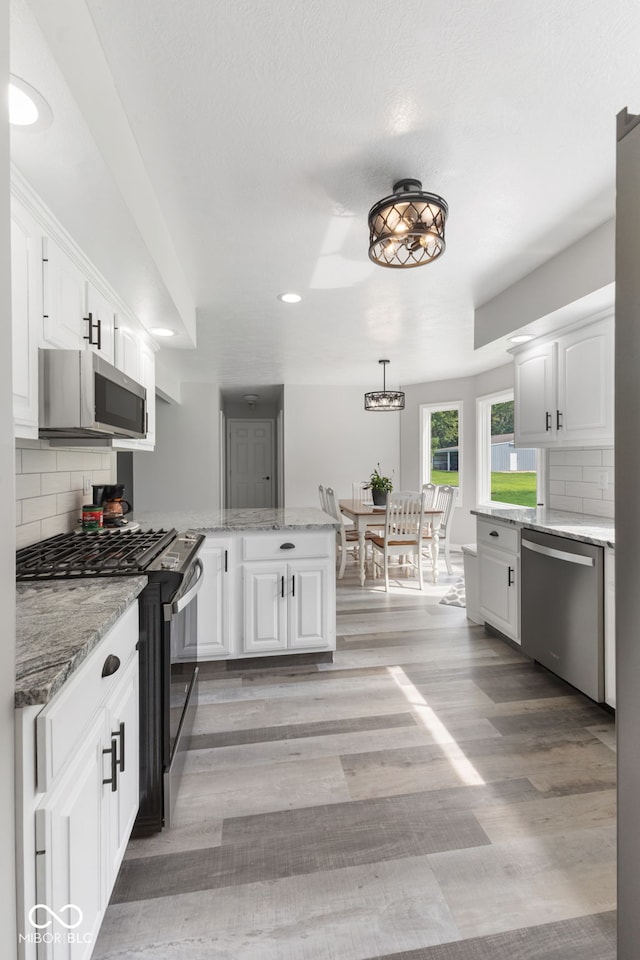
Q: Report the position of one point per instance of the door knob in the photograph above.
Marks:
(266, 478)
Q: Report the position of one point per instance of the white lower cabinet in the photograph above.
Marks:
(214, 634)
(499, 576)
(78, 814)
(265, 592)
(286, 606)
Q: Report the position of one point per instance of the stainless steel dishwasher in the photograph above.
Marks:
(562, 605)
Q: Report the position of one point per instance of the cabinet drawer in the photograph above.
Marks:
(499, 536)
(285, 546)
(62, 723)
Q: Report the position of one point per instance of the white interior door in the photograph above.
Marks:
(250, 463)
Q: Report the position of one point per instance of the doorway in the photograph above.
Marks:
(250, 463)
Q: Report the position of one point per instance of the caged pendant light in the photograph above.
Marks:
(384, 399)
(406, 229)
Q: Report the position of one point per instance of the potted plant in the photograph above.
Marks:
(380, 486)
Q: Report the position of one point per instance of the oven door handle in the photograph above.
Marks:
(172, 609)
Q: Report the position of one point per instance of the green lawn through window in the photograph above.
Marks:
(517, 488)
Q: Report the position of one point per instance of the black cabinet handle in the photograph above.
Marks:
(287, 546)
(494, 533)
(111, 665)
(558, 424)
(510, 578)
(282, 586)
(226, 561)
(548, 419)
(113, 780)
(293, 585)
(97, 326)
(119, 733)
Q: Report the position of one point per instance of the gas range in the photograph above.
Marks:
(109, 554)
(167, 617)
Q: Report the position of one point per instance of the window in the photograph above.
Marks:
(506, 473)
(441, 440)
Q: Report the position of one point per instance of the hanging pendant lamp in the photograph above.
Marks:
(384, 399)
(407, 228)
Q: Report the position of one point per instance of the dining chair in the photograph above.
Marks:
(361, 492)
(344, 535)
(441, 497)
(323, 499)
(402, 531)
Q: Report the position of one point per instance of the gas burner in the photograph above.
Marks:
(111, 553)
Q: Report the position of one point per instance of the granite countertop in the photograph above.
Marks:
(58, 624)
(574, 526)
(228, 521)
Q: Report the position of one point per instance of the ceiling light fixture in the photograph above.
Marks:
(521, 338)
(289, 297)
(162, 332)
(251, 398)
(384, 399)
(27, 107)
(407, 228)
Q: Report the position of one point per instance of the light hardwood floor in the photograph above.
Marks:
(431, 795)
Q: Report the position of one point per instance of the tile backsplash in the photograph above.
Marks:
(49, 486)
(582, 480)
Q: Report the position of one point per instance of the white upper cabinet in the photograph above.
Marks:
(534, 390)
(26, 317)
(65, 299)
(100, 323)
(60, 300)
(564, 388)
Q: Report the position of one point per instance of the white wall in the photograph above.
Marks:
(49, 486)
(330, 439)
(7, 541)
(465, 390)
(183, 470)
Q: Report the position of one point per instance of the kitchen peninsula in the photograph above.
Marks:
(268, 581)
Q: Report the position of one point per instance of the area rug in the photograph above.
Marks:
(456, 596)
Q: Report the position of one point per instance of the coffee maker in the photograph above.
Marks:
(109, 497)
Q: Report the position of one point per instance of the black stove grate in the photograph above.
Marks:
(85, 555)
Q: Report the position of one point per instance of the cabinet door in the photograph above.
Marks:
(70, 834)
(499, 591)
(264, 607)
(122, 803)
(213, 634)
(147, 377)
(585, 384)
(534, 395)
(308, 605)
(65, 300)
(127, 350)
(101, 316)
(26, 318)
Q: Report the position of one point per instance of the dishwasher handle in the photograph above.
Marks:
(558, 554)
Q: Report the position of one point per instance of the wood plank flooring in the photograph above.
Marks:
(430, 795)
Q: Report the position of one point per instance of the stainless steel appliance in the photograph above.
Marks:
(167, 619)
(84, 397)
(562, 607)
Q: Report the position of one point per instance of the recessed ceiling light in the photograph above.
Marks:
(521, 338)
(27, 107)
(162, 332)
(289, 297)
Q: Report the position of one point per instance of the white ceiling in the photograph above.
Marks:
(266, 131)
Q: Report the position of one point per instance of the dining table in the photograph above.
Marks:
(365, 516)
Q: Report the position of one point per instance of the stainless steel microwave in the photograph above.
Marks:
(84, 397)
